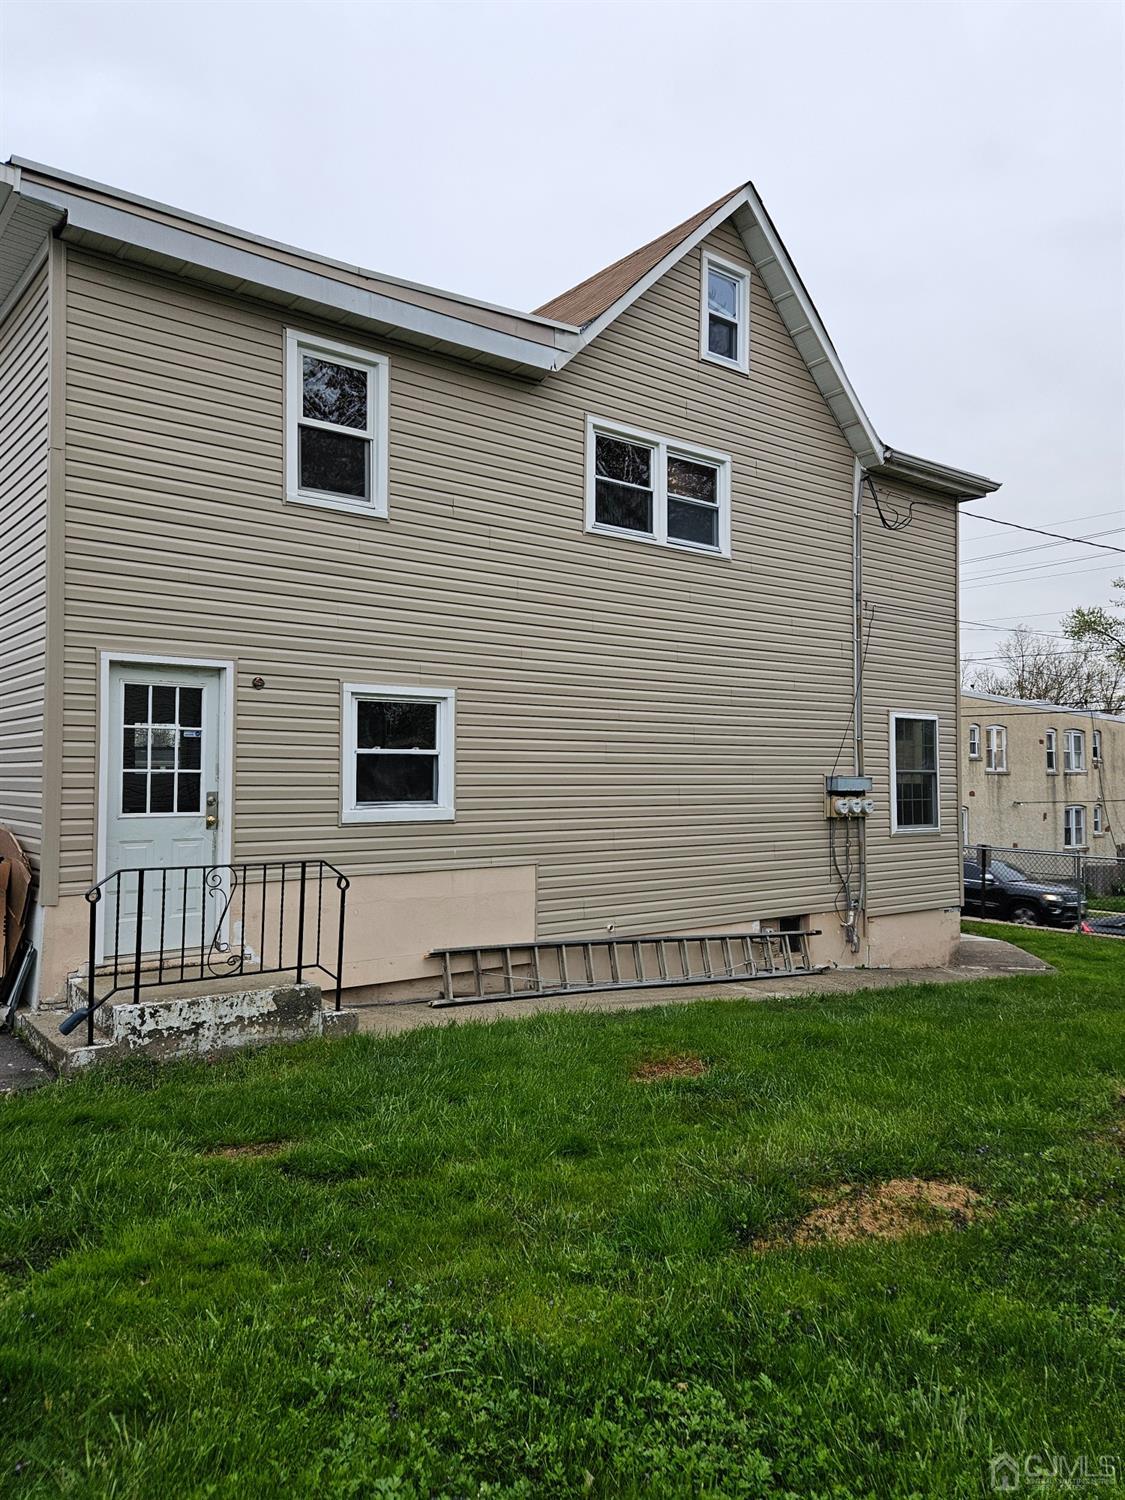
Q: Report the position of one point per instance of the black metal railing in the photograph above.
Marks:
(196, 923)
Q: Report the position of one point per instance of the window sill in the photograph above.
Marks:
(648, 540)
(734, 365)
(403, 813)
(367, 508)
(914, 832)
(1080, 771)
(994, 771)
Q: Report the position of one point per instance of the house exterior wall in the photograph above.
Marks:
(648, 729)
(1023, 807)
(24, 407)
(910, 636)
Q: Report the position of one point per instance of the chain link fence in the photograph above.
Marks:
(1060, 887)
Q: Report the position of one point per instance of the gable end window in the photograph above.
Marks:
(335, 425)
(724, 331)
(915, 804)
(1074, 750)
(974, 742)
(996, 748)
(655, 489)
(1074, 827)
(397, 754)
(1052, 752)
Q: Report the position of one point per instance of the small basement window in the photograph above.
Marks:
(724, 336)
(915, 806)
(397, 754)
(654, 489)
(336, 425)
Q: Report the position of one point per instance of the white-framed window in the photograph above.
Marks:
(1098, 822)
(974, 742)
(656, 489)
(915, 796)
(996, 748)
(724, 318)
(397, 754)
(336, 403)
(1052, 738)
(1074, 827)
(1096, 747)
(1074, 750)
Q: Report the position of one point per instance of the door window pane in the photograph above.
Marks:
(134, 793)
(163, 705)
(134, 749)
(191, 707)
(136, 703)
(333, 462)
(187, 792)
(162, 748)
(191, 745)
(161, 792)
(396, 778)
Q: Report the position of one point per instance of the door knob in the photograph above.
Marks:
(211, 819)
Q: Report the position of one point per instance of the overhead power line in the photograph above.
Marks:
(1038, 531)
(1024, 578)
(986, 557)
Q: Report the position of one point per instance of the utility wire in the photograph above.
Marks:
(1038, 531)
(971, 562)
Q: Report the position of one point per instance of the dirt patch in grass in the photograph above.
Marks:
(254, 1148)
(885, 1211)
(659, 1069)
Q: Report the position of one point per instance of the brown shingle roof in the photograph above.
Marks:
(590, 298)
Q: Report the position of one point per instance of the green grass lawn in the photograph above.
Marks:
(487, 1263)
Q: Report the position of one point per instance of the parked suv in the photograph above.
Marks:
(1011, 896)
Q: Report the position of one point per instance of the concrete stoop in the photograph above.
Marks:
(186, 1025)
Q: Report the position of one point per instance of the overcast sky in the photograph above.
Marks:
(948, 178)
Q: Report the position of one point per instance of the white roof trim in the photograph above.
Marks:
(299, 288)
(969, 695)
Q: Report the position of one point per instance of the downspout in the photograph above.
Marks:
(860, 918)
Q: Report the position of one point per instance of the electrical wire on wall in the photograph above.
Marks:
(848, 866)
(896, 522)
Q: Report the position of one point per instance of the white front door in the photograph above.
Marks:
(161, 796)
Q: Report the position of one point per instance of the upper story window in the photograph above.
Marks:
(654, 489)
(1074, 750)
(724, 335)
(974, 742)
(397, 762)
(1099, 818)
(914, 773)
(1052, 738)
(996, 748)
(1074, 827)
(1096, 747)
(335, 425)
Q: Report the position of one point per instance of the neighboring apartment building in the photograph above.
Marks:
(537, 625)
(1037, 776)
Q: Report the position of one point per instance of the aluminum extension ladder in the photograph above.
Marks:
(576, 965)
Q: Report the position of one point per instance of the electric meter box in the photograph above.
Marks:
(848, 786)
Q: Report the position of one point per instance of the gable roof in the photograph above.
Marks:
(590, 298)
(36, 201)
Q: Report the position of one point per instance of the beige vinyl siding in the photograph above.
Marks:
(23, 561)
(910, 582)
(650, 727)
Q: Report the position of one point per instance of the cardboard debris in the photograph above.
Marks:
(15, 897)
